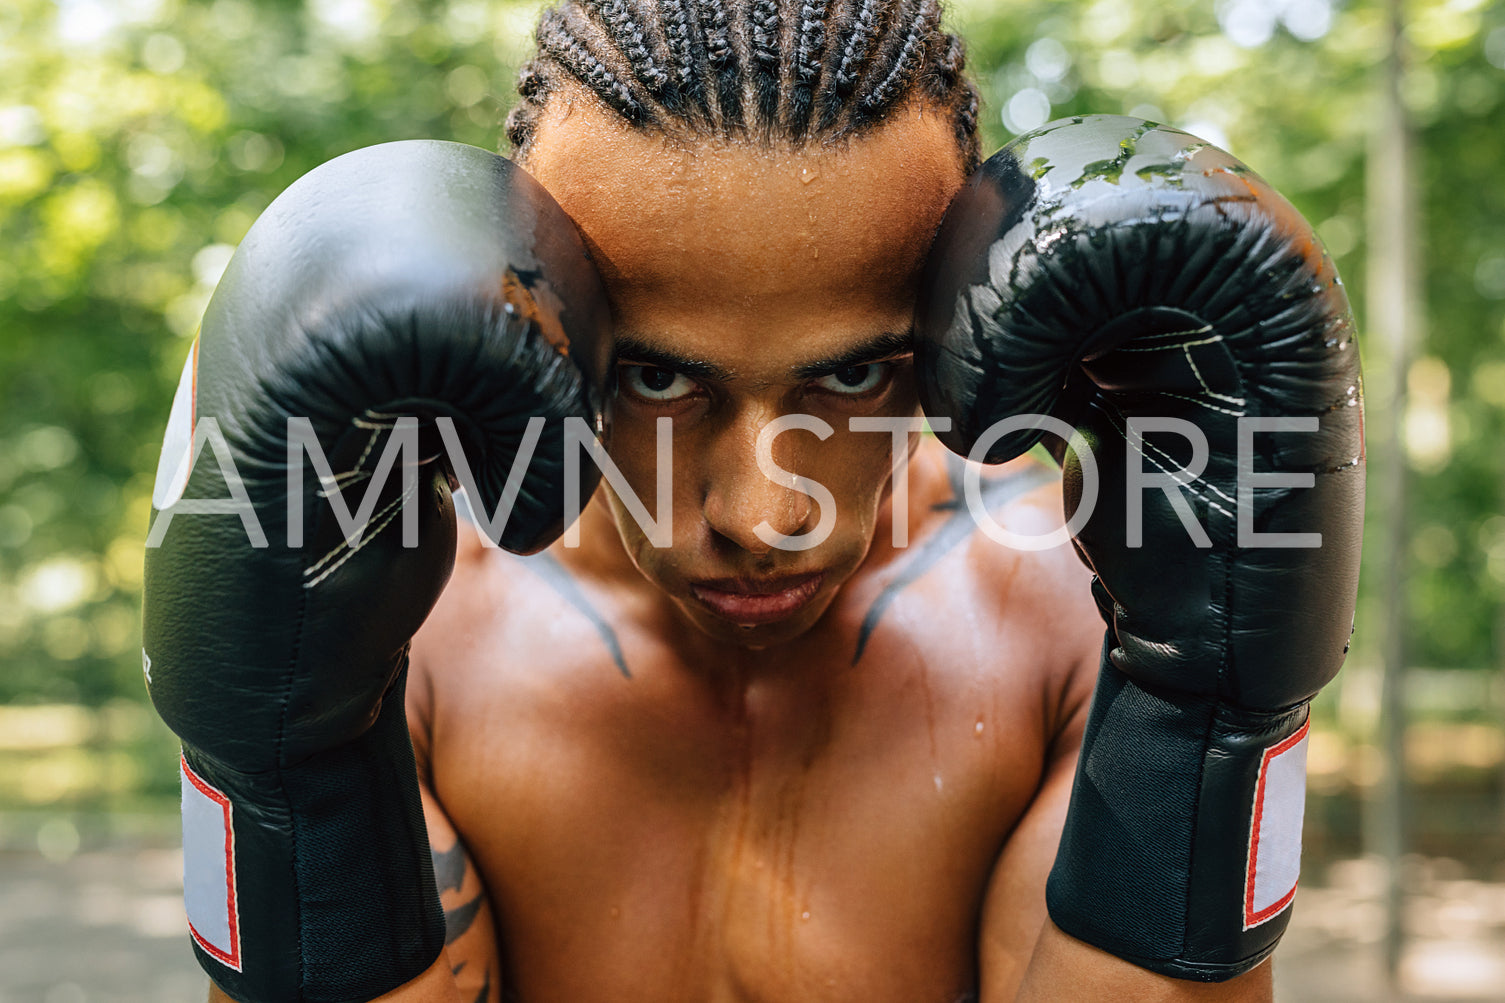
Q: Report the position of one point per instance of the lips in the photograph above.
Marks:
(750, 601)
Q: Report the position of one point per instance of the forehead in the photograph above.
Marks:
(821, 243)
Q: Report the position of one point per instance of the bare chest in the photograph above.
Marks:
(647, 838)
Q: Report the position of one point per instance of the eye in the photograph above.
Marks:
(655, 383)
(854, 380)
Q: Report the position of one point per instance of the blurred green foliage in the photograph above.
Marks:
(139, 139)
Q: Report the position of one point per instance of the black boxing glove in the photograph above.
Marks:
(384, 295)
(1151, 292)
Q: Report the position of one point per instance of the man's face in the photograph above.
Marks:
(747, 284)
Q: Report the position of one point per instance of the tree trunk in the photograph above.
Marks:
(1393, 307)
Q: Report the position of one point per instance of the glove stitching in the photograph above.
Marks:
(1191, 362)
(376, 430)
(347, 477)
(359, 473)
(332, 487)
(1172, 470)
(1152, 343)
(1199, 401)
(384, 517)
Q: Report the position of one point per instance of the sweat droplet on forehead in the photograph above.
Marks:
(736, 225)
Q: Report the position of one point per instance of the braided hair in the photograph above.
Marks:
(778, 70)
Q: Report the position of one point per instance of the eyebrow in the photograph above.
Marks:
(639, 352)
(876, 349)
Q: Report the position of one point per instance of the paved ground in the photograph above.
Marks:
(1455, 948)
(100, 927)
(106, 926)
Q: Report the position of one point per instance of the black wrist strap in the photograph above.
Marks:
(1182, 842)
(323, 889)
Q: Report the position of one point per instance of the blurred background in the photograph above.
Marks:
(140, 138)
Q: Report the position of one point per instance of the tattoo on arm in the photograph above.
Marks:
(485, 993)
(956, 528)
(450, 869)
(458, 919)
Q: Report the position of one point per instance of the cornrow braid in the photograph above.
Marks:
(561, 40)
(677, 33)
(948, 66)
(616, 17)
(809, 46)
(781, 70)
(533, 87)
(907, 62)
(965, 117)
(721, 55)
(854, 54)
(763, 20)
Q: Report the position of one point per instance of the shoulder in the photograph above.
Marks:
(515, 642)
(496, 608)
(1006, 522)
(474, 658)
(453, 617)
(1014, 567)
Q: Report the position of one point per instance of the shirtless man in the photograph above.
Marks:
(767, 739)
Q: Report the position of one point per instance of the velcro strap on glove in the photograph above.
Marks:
(1182, 846)
(315, 883)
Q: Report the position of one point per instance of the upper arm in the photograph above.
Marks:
(1014, 908)
(470, 931)
(1022, 955)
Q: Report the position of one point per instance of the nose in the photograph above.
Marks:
(739, 496)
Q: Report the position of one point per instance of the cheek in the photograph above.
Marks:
(634, 449)
(634, 539)
(857, 468)
(634, 452)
